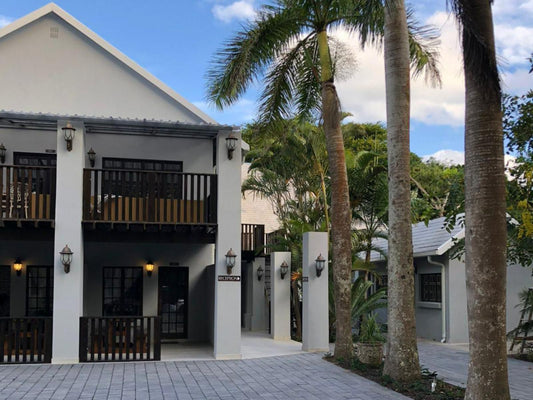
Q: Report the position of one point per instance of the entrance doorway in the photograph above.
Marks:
(173, 299)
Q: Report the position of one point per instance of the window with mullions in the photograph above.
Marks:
(123, 291)
(5, 290)
(430, 288)
(42, 180)
(39, 291)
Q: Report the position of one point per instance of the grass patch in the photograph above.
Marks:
(418, 390)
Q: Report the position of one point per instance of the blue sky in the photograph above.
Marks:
(175, 41)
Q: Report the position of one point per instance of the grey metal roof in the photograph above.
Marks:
(428, 240)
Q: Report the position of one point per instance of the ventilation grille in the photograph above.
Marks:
(54, 32)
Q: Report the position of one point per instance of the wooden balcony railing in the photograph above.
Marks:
(120, 339)
(253, 238)
(27, 193)
(25, 340)
(149, 197)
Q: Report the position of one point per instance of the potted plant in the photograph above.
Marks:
(370, 345)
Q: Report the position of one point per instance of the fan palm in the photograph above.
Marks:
(485, 208)
(288, 45)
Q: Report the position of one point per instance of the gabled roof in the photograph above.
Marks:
(428, 240)
(52, 8)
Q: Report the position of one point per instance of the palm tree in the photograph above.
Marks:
(485, 241)
(402, 361)
(288, 44)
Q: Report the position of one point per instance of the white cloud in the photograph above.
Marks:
(5, 21)
(447, 157)
(238, 10)
(514, 43)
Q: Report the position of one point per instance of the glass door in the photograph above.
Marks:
(173, 299)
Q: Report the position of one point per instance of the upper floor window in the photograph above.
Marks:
(430, 288)
(35, 159)
(142, 165)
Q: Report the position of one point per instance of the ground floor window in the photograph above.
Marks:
(123, 291)
(39, 291)
(5, 290)
(430, 287)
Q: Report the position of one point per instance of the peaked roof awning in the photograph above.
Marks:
(52, 8)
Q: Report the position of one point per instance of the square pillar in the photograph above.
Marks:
(315, 318)
(258, 296)
(280, 297)
(68, 287)
(227, 316)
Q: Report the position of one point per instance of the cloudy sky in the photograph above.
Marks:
(175, 41)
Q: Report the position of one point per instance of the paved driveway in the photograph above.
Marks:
(451, 363)
(303, 376)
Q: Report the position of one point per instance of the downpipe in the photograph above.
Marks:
(443, 294)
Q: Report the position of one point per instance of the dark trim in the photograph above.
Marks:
(49, 296)
(122, 287)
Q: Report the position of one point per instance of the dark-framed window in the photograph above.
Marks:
(35, 159)
(142, 165)
(382, 281)
(430, 288)
(5, 290)
(122, 291)
(42, 180)
(39, 291)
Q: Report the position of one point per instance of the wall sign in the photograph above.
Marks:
(229, 278)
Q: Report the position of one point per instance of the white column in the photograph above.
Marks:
(258, 296)
(315, 335)
(68, 288)
(227, 326)
(280, 297)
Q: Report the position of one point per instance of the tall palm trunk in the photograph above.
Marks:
(485, 242)
(340, 206)
(402, 361)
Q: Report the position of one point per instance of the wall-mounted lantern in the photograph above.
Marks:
(66, 258)
(231, 145)
(260, 273)
(284, 268)
(68, 132)
(320, 264)
(2, 153)
(149, 268)
(92, 157)
(230, 260)
(17, 266)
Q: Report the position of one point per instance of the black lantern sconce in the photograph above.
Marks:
(92, 157)
(68, 132)
(230, 260)
(2, 153)
(17, 266)
(284, 268)
(149, 268)
(66, 258)
(320, 264)
(231, 145)
(260, 273)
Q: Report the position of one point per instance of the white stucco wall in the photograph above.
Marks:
(25, 140)
(70, 74)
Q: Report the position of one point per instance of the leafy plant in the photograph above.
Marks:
(370, 331)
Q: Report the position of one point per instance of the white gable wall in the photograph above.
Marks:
(70, 74)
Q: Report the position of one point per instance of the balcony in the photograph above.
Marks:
(148, 198)
(27, 194)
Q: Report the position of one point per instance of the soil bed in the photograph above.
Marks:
(418, 390)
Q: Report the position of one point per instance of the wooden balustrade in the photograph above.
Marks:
(120, 339)
(25, 340)
(149, 197)
(27, 193)
(253, 238)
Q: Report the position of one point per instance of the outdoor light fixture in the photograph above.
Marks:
(231, 144)
(230, 260)
(92, 156)
(2, 153)
(68, 132)
(66, 258)
(18, 266)
(149, 268)
(260, 273)
(320, 263)
(284, 268)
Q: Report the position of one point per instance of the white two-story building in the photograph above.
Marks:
(102, 160)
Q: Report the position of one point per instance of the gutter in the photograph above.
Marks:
(443, 294)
